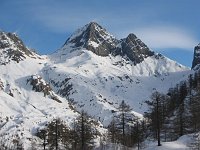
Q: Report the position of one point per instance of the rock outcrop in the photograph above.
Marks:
(196, 59)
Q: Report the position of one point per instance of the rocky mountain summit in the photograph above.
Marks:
(95, 38)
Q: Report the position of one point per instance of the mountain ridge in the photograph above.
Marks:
(95, 38)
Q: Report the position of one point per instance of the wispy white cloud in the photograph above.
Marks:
(61, 20)
(167, 37)
(64, 18)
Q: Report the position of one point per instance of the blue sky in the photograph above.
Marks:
(170, 27)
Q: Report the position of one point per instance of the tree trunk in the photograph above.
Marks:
(82, 133)
(56, 134)
(44, 143)
(138, 136)
(123, 127)
(158, 121)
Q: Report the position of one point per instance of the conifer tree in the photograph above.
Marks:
(155, 114)
(55, 135)
(119, 129)
(124, 111)
(83, 129)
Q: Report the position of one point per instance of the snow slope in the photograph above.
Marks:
(183, 143)
(24, 110)
(99, 84)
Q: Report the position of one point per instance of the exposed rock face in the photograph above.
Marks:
(96, 39)
(12, 48)
(135, 49)
(39, 85)
(1, 85)
(196, 59)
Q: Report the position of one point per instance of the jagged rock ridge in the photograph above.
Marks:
(96, 39)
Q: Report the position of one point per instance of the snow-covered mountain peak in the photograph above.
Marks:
(95, 38)
(92, 37)
(12, 48)
(90, 32)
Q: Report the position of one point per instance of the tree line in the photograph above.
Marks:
(169, 116)
(176, 113)
(125, 129)
(57, 135)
